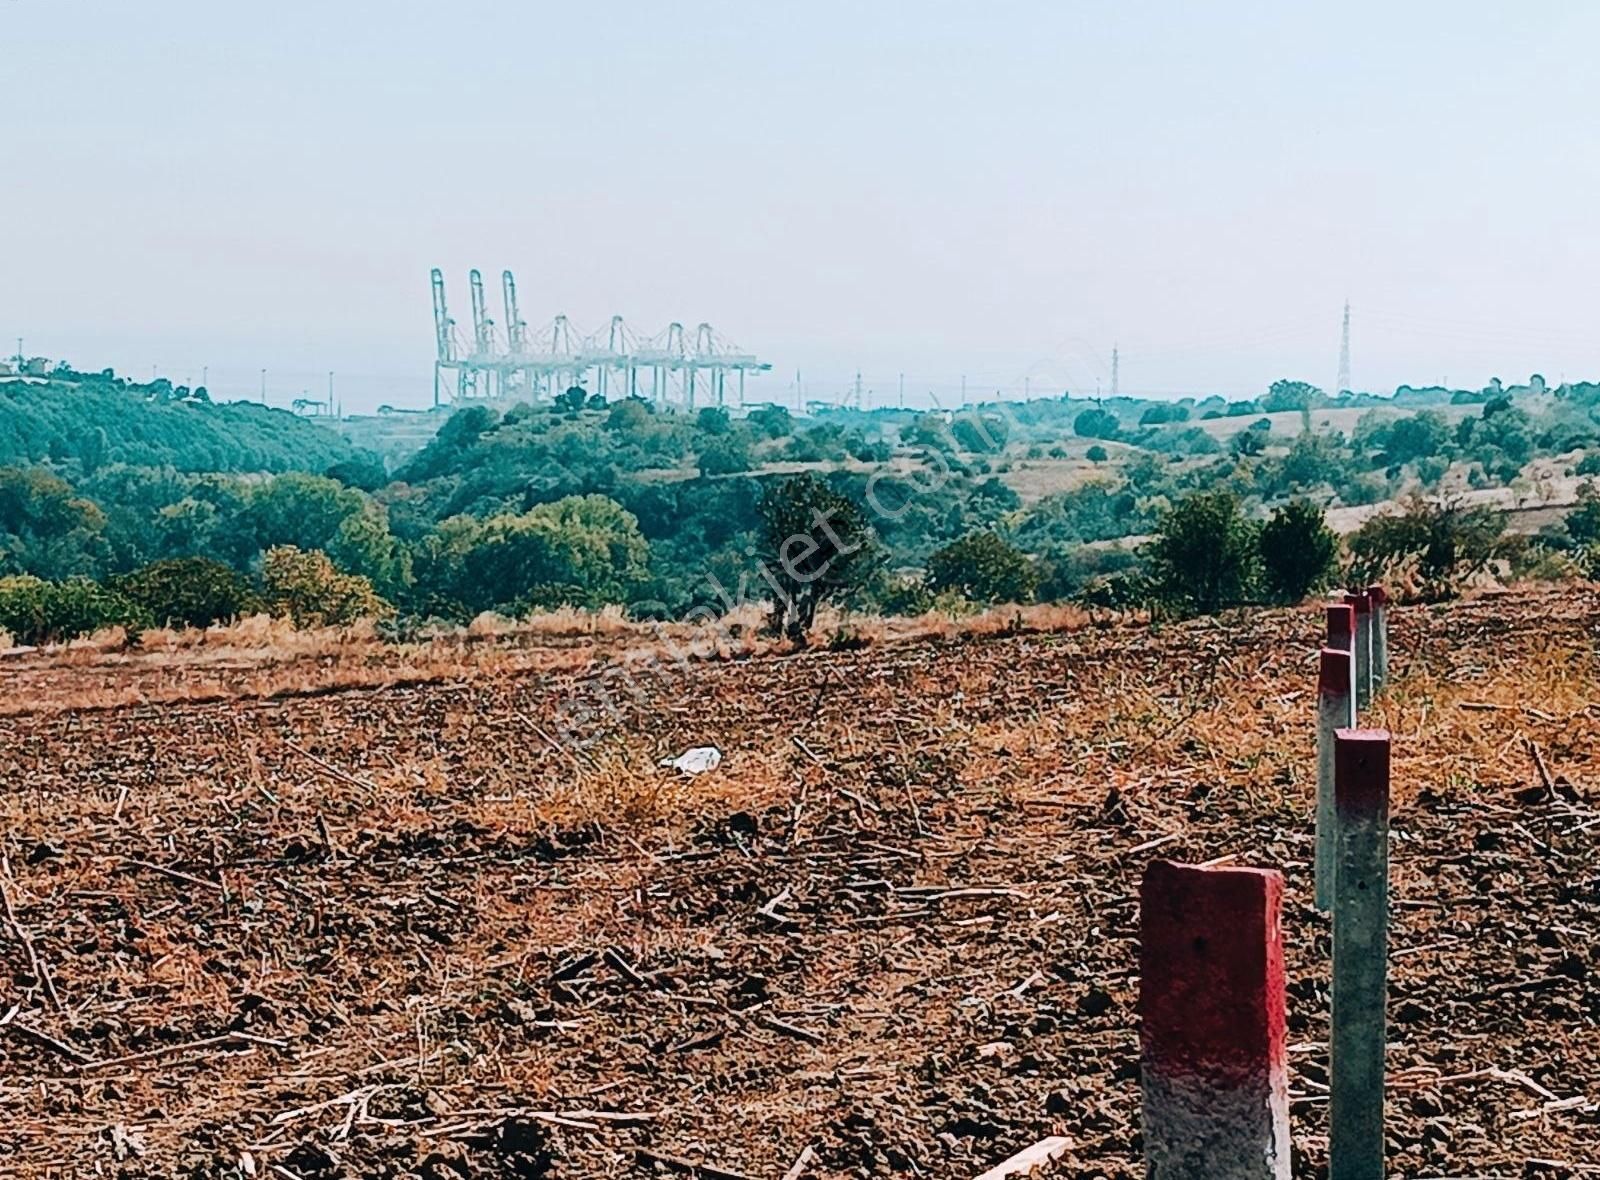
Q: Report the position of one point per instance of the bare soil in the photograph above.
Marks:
(404, 932)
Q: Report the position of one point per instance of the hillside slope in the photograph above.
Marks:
(96, 421)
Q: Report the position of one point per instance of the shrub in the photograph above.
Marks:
(304, 586)
(1299, 552)
(1204, 556)
(37, 611)
(984, 568)
(189, 592)
(1434, 547)
(1096, 454)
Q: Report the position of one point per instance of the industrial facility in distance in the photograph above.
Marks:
(522, 362)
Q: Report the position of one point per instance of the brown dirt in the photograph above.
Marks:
(396, 932)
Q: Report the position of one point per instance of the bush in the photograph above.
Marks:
(303, 585)
(1432, 547)
(189, 592)
(34, 611)
(984, 568)
(1204, 556)
(1096, 454)
(1299, 552)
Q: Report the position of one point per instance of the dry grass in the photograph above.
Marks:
(266, 657)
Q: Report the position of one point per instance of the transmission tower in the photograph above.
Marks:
(1344, 351)
(1116, 360)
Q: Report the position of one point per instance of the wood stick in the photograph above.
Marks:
(202, 1043)
(39, 966)
(804, 1158)
(175, 874)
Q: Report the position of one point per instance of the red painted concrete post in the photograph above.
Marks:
(1342, 637)
(1335, 711)
(1213, 1052)
(1380, 635)
(1363, 648)
(1360, 955)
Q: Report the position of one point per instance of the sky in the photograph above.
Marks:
(1002, 192)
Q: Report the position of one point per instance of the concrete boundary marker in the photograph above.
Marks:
(1379, 598)
(1213, 1020)
(1342, 637)
(1335, 711)
(1363, 646)
(1360, 954)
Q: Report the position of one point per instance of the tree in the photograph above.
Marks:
(577, 551)
(984, 568)
(629, 416)
(1096, 423)
(725, 455)
(188, 592)
(1162, 413)
(572, 399)
(1299, 552)
(1096, 454)
(1249, 442)
(713, 420)
(818, 545)
(1204, 556)
(981, 434)
(307, 588)
(772, 421)
(47, 529)
(1291, 395)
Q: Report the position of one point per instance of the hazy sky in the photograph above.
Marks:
(997, 189)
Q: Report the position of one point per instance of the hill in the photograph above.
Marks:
(92, 420)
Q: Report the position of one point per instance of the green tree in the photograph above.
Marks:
(981, 434)
(631, 415)
(1162, 413)
(984, 568)
(307, 588)
(818, 544)
(188, 592)
(47, 529)
(713, 420)
(576, 551)
(771, 421)
(725, 455)
(1096, 423)
(1249, 441)
(1291, 395)
(1096, 454)
(1204, 556)
(1299, 552)
(571, 399)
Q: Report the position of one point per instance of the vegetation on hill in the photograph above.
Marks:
(1182, 507)
(92, 420)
